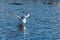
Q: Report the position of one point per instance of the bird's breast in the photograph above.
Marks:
(24, 20)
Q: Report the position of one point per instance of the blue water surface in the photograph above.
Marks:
(43, 23)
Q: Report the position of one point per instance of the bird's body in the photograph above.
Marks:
(24, 20)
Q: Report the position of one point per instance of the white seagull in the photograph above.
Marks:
(22, 19)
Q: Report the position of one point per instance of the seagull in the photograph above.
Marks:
(22, 19)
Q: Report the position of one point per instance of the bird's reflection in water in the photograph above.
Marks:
(21, 26)
(20, 29)
(19, 32)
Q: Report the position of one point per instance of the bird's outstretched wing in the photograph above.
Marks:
(27, 15)
(16, 16)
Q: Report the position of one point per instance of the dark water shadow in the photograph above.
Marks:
(16, 3)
